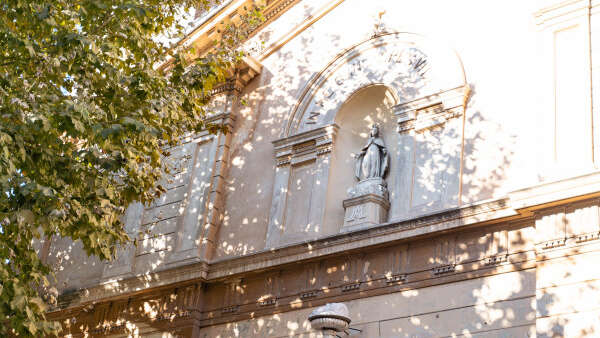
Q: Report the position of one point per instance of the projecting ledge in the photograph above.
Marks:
(555, 192)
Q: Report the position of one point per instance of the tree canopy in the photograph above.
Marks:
(85, 115)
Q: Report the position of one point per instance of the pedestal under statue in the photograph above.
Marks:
(367, 203)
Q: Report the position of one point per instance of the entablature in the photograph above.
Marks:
(305, 146)
(521, 205)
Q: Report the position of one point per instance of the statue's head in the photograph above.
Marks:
(374, 130)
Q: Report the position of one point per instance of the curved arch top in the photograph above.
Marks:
(411, 65)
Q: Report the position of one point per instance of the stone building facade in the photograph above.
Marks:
(486, 222)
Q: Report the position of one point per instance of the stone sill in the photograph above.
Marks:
(486, 212)
(561, 190)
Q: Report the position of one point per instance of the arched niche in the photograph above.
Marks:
(411, 65)
(423, 85)
(368, 105)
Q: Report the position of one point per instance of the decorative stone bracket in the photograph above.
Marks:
(240, 76)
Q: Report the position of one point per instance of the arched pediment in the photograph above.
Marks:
(411, 65)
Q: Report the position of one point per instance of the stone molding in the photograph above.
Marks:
(239, 77)
(305, 146)
(363, 198)
(262, 52)
(413, 263)
(361, 284)
(560, 191)
(207, 30)
(473, 216)
(432, 110)
(482, 214)
(363, 64)
(560, 10)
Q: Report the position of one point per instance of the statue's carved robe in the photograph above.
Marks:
(372, 161)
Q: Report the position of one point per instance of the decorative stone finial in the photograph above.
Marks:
(330, 318)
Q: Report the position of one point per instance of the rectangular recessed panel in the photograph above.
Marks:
(573, 144)
(298, 204)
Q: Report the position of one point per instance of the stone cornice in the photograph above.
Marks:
(304, 146)
(431, 110)
(448, 220)
(201, 38)
(558, 191)
(483, 213)
(559, 11)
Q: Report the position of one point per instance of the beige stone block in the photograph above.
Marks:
(160, 228)
(569, 298)
(436, 168)
(518, 331)
(171, 196)
(280, 325)
(214, 296)
(445, 250)
(421, 256)
(463, 321)
(298, 201)
(550, 225)
(461, 294)
(582, 218)
(472, 246)
(155, 243)
(579, 324)
(150, 262)
(521, 238)
(73, 267)
(568, 270)
(162, 212)
(364, 211)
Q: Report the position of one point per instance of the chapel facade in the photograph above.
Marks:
(431, 165)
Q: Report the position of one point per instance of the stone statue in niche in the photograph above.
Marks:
(372, 161)
(371, 166)
(367, 203)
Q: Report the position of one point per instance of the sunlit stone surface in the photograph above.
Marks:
(480, 219)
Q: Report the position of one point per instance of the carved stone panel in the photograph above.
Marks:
(196, 197)
(430, 143)
(300, 187)
(364, 211)
(437, 165)
(299, 199)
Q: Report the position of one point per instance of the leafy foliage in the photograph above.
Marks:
(85, 114)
